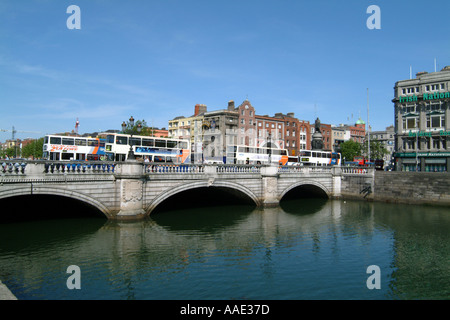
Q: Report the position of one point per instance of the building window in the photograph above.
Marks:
(435, 121)
(436, 143)
(410, 123)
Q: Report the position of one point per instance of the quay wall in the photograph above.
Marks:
(412, 187)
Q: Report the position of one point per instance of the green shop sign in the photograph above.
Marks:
(422, 154)
(428, 134)
(426, 96)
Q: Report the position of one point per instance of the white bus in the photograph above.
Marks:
(319, 158)
(151, 149)
(73, 148)
(255, 155)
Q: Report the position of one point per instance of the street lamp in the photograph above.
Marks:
(139, 128)
(269, 144)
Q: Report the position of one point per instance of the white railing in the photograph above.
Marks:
(24, 167)
(303, 169)
(161, 168)
(354, 170)
(232, 168)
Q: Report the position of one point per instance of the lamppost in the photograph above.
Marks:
(139, 128)
(269, 144)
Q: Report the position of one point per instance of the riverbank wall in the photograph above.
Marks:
(430, 188)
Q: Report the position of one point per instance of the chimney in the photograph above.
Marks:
(290, 114)
(199, 109)
(231, 105)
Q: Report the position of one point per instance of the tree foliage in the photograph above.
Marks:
(33, 149)
(145, 129)
(377, 149)
(350, 149)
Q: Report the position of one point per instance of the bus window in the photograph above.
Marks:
(314, 154)
(110, 138)
(45, 140)
(55, 140)
(148, 142)
(80, 142)
(158, 159)
(92, 143)
(54, 155)
(136, 141)
(66, 156)
(160, 143)
(172, 144)
(305, 153)
(329, 155)
(121, 140)
(68, 141)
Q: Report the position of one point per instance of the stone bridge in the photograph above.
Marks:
(132, 189)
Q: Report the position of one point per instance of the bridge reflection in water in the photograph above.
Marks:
(314, 249)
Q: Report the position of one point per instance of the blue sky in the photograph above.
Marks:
(155, 60)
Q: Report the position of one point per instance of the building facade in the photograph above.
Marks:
(422, 122)
(387, 140)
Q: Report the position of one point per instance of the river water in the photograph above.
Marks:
(304, 249)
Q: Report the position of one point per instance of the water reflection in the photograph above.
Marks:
(304, 249)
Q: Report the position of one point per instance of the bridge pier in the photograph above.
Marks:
(269, 175)
(130, 180)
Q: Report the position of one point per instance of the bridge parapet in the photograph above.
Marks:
(42, 167)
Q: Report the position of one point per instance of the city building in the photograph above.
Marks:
(338, 135)
(211, 132)
(422, 122)
(220, 129)
(386, 138)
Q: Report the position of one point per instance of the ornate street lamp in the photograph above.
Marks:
(139, 128)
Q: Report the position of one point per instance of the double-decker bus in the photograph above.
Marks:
(151, 149)
(319, 158)
(73, 148)
(255, 155)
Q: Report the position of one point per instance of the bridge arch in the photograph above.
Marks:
(306, 183)
(165, 195)
(54, 191)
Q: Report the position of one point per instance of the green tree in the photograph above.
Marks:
(33, 149)
(377, 150)
(133, 129)
(350, 149)
(10, 152)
